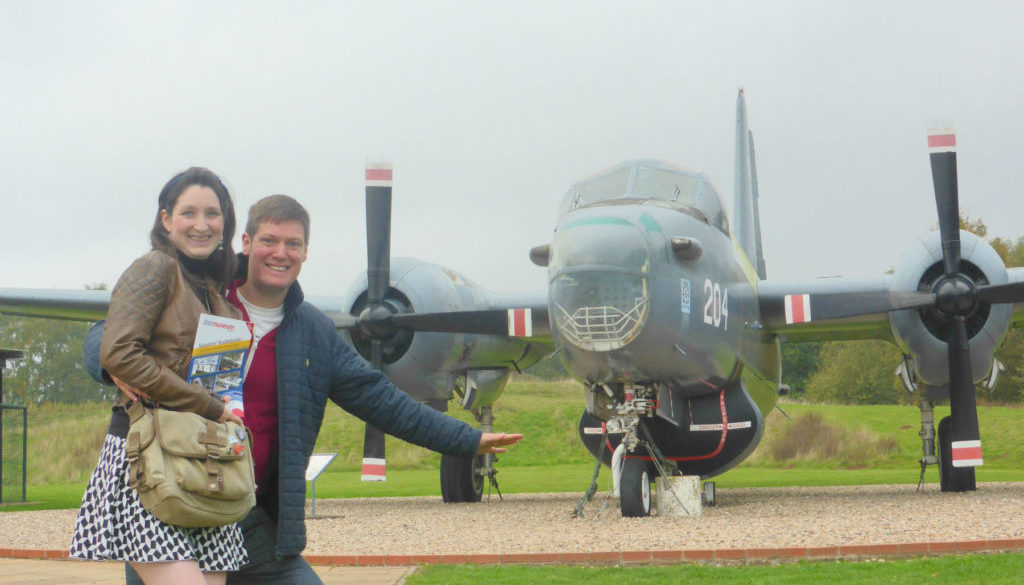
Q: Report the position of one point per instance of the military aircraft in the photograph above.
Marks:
(661, 307)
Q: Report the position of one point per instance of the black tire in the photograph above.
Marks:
(951, 479)
(635, 488)
(460, 482)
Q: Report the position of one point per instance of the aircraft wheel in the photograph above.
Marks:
(460, 481)
(951, 479)
(635, 489)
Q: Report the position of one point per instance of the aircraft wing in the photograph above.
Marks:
(812, 310)
(77, 305)
(830, 309)
(507, 314)
(536, 307)
(1016, 275)
(499, 318)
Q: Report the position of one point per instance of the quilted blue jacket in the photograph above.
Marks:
(314, 365)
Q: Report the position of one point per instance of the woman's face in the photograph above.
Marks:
(196, 225)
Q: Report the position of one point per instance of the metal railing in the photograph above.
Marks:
(4, 461)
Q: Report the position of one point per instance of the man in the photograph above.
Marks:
(297, 362)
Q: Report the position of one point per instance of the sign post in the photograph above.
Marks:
(317, 463)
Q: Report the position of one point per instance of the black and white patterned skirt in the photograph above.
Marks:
(113, 525)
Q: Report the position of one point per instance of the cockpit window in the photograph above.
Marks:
(666, 185)
(710, 203)
(650, 180)
(608, 186)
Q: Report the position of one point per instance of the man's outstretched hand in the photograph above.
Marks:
(493, 442)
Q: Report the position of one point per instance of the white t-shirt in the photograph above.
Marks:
(263, 321)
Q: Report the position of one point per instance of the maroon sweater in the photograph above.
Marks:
(259, 394)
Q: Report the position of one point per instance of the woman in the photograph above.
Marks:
(150, 330)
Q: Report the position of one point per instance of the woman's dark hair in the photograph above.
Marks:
(220, 266)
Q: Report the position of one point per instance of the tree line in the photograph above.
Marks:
(52, 369)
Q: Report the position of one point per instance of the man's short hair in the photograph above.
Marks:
(276, 209)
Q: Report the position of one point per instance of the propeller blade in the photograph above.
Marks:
(1011, 292)
(966, 449)
(824, 306)
(378, 231)
(511, 322)
(374, 466)
(378, 278)
(942, 149)
(377, 354)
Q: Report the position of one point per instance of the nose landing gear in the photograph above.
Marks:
(642, 460)
(635, 489)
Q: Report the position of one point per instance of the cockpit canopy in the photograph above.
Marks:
(649, 180)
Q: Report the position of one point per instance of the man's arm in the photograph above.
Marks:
(368, 394)
(91, 353)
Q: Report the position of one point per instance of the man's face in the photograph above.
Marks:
(276, 253)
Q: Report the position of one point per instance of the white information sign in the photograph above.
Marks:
(317, 463)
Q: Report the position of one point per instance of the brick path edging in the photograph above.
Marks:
(736, 555)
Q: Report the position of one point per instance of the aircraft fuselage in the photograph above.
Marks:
(651, 296)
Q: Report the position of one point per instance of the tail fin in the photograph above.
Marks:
(746, 222)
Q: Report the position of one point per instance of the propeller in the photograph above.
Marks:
(382, 330)
(378, 277)
(956, 297)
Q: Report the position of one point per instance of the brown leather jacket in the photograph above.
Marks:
(150, 331)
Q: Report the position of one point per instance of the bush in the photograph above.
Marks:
(857, 372)
(811, 439)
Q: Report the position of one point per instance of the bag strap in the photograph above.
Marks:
(133, 445)
(214, 478)
(133, 441)
(136, 410)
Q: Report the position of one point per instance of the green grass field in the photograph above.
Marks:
(989, 569)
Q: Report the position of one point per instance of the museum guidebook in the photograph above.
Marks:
(218, 357)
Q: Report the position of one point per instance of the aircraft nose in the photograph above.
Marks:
(599, 285)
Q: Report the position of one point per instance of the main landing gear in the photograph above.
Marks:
(462, 478)
(951, 479)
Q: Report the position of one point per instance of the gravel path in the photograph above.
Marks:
(527, 523)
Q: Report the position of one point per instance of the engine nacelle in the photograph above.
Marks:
(921, 334)
(428, 365)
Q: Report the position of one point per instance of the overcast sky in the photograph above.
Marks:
(489, 111)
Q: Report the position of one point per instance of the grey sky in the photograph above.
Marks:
(489, 111)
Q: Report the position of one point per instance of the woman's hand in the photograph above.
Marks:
(227, 415)
(131, 392)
